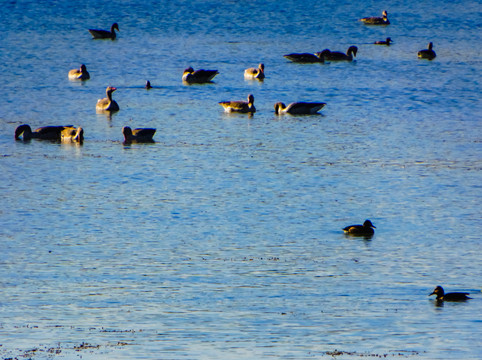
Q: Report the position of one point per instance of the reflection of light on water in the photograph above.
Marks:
(224, 237)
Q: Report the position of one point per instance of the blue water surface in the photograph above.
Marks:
(223, 240)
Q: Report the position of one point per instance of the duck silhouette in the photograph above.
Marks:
(255, 73)
(452, 296)
(239, 106)
(139, 135)
(79, 74)
(298, 108)
(360, 230)
(427, 53)
(376, 20)
(105, 34)
(66, 133)
(107, 104)
(339, 56)
(200, 76)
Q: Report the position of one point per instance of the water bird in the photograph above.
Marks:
(148, 85)
(384, 42)
(360, 230)
(139, 135)
(317, 57)
(453, 296)
(375, 20)
(105, 34)
(255, 73)
(107, 104)
(239, 106)
(298, 108)
(79, 74)
(427, 53)
(199, 76)
(67, 133)
(339, 56)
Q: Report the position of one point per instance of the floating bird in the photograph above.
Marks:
(255, 73)
(298, 108)
(384, 42)
(199, 76)
(239, 106)
(104, 34)
(55, 133)
(318, 57)
(339, 56)
(148, 85)
(139, 135)
(375, 20)
(427, 53)
(72, 134)
(79, 74)
(107, 104)
(453, 296)
(360, 230)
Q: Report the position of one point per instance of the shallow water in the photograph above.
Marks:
(223, 239)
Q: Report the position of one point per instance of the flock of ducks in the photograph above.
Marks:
(70, 133)
(201, 76)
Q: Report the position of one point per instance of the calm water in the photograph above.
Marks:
(223, 239)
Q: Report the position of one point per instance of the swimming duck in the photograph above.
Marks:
(72, 134)
(375, 20)
(360, 230)
(255, 73)
(148, 85)
(339, 56)
(427, 53)
(107, 104)
(298, 108)
(318, 57)
(384, 42)
(199, 76)
(104, 34)
(55, 133)
(138, 135)
(79, 74)
(239, 106)
(453, 296)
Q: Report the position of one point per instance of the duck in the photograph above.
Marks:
(453, 296)
(72, 134)
(317, 57)
(139, 135)
(339, 56)
(199, 76)
(239, 106)
(107, 104)
(67, 133)
(255, 73)
(384, 42)
(148, 85)
(105, 34)
(298, 108)
(375, 20)
(360, 230)
(79, 74)
(427, 53)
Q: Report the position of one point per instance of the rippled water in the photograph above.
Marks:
(223, 239)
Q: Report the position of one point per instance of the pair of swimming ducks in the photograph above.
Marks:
(367, 230)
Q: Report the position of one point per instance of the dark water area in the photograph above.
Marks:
(223, 240)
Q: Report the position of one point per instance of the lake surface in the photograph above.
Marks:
(223, 240)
